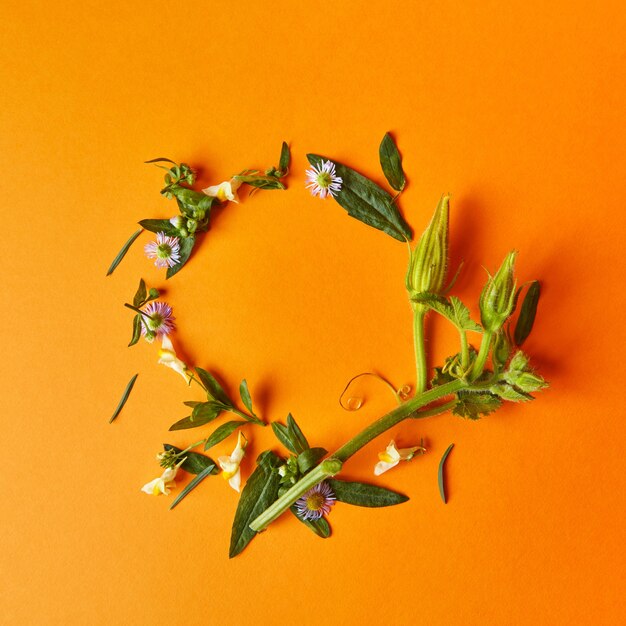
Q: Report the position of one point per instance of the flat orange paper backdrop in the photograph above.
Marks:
(515, 109)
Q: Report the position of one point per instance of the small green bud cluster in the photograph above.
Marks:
(168, 459)
(289, 474)
(428, 264)
(497, 299)
(520, 375)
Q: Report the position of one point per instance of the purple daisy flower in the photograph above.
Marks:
(316, 502)
(165, 250)
(157, 321)
(322, 180)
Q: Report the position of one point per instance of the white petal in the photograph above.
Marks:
(235, 480)
(382, 467)
(149, 487)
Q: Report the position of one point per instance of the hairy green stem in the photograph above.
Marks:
(464, 351)
(483, 353)
(419, 312)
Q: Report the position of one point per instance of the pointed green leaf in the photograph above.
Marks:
(391, 162)
(125, 395)
(160, 226)
(285, 158)
(442, 486)
(308, 459)
(259, 493)
(221, 432)
(122, 253)
(282, 434)
(319, 526)
(141, 294)
(472, 404)
(296, 436)
(207, 471)
(160, 160)
(136, 330)
(244, 393)
(194, 461)
(363, 494)
(186, 247)
(201, 414)
(367, 202)
(527, 313)
(214, 389)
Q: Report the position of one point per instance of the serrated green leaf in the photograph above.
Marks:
(364, 494)
(309, 458)
(391, 163)
(214, 389)
(122, 253)
(194, 461)
(296, 436)
(186, 247)
(223, 431)
(259, 493)
(527, 313)
(136, 330)
(244, 393)
(207, 471)
(160, 226)
(141, 294)
(282, 434)
(442, 486)
(319, 526)
(367, 202)
(122, 402)
(455, 311)
(285, 158)
(474, 404)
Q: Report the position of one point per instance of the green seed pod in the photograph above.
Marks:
(429, 260)
(497, 299)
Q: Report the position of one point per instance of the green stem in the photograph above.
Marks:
(248, 418)
(483, 353)
(438, 410)
(134, 308)
(419, 312)
(464, 351)
(324, 470)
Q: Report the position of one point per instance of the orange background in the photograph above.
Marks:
(517, 110)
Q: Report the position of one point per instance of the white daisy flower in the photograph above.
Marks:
(165, 250)
(322, 180)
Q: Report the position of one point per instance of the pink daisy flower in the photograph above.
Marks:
(157, 321)
(165, 250)
(322, 180)
(316, 502)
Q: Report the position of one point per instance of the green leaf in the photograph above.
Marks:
(527, 313)
(367, 202)
(214, 389)
(442, 487)
(244, 393)
(221, 432)
(260, 492)
(282, 434)
(160, 226)
(319, 526)
(391, 162)
(186, 247)
(363, 494)
(455, 311)
(201, 414)
(308, 459)
(125, 395)
(296, 435)
(136, 330)
(510, 392)
(207, 471)
(141, 294)
(160, 160)
(122, 253)
(194, 461)
(474, 404)
(285, 158)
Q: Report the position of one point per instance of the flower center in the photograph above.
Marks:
(315, 502)
(324, 179)
(164, 251)
(156, 319)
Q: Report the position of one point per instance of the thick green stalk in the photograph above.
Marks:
(419, 313)
(483, 353)
(464, 351)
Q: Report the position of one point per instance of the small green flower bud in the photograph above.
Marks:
(497, 299)
(177, 221)
(191, 226)
(429, 260)
(501, 349)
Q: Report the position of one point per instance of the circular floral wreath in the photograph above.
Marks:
(470, 384)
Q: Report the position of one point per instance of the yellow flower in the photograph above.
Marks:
(162, 484)
(392, 456)
(230, 464)
(224, 191)
(167, 357)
